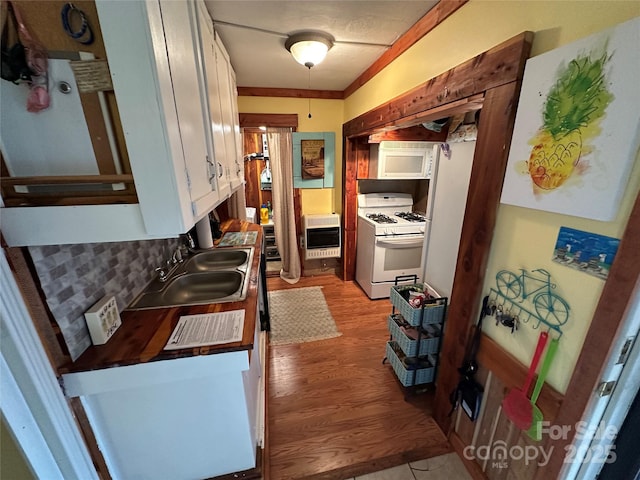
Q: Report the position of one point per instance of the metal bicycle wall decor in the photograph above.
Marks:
(507, 300)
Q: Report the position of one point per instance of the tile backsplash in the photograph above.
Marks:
(74, 277)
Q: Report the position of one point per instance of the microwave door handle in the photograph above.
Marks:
(397, 243)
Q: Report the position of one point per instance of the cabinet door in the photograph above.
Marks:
(214, 111)
(181, 36)
(236, 129)
(227, 101)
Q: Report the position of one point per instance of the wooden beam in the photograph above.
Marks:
(498, 66)
(416, 133)
(612, 308)
(277, 120)
(483, 198)
(355, 154)
(428, 22)
(289, 92)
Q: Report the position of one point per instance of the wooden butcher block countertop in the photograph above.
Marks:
(144, 333)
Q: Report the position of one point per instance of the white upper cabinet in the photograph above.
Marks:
(229, 109)
(236, 131)
(153, 52)
(212, 87)
(172, 84)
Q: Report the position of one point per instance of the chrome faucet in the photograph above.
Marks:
(163, 273)
(165, 270)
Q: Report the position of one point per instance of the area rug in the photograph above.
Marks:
(300, 315)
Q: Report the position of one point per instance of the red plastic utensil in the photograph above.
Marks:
(516, 405)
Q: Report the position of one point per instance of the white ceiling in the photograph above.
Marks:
(260, 59)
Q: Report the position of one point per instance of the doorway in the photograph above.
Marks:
(257, 174)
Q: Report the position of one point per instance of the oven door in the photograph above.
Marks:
(397, 255)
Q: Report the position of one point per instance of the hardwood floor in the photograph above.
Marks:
(334, 410)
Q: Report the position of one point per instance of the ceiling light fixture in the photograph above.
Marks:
(309, 48)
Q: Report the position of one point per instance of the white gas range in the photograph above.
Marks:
(390, 242)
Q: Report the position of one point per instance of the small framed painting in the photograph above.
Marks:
(576, 132)
(588, 252)
(312, 159)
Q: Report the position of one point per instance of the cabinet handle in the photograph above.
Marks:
(221, 170)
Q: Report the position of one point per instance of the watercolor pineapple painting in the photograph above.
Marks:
(576, 134)
(573, 108)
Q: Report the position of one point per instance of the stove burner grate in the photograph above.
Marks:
(381, 218)
(410, 216)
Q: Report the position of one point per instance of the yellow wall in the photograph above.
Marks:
(524, 238)
(480, 25)
(326, 116)
(12, 462)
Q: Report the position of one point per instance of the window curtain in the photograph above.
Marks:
(280, 145)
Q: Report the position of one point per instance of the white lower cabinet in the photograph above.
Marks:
(187, 418)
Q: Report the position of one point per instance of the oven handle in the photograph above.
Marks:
(400, 243)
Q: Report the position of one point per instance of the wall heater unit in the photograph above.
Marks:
(322, 236)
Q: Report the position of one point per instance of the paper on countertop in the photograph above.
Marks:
(207, 329)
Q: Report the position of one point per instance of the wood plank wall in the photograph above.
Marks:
(493, 432)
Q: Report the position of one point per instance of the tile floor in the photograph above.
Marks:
(444, 467)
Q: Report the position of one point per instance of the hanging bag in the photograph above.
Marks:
(25, 50)
(14, 60)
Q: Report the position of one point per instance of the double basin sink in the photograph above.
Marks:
(210, 276)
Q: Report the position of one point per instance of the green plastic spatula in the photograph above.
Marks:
(535, 431)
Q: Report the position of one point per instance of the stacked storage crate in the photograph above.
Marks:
(416, 334)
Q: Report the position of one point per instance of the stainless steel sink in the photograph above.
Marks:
(210, 276)
(217, 259)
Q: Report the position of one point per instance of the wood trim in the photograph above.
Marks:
(290, 92)
(512, 373)
(67, 179)
(355, 154)
(280, 120)
(416, 133)
(42, 319)
(13, 198)
(94, 117)
(31, 200)
(613, 306)
(498, 66)
(89, 438)
(459, 107)
(428, 22)
(472, 467)
(483, 198)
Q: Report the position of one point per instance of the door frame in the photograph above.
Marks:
(278, 120)
(491, 82)
(33, 403)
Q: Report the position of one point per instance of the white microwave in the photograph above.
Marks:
(397, 160)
